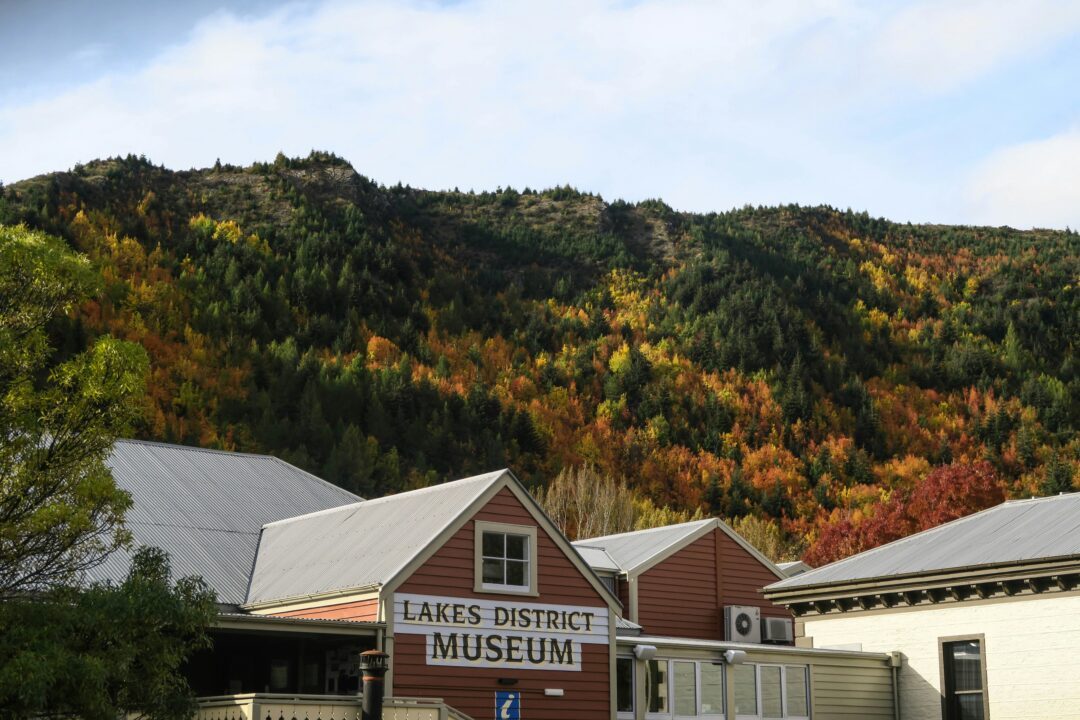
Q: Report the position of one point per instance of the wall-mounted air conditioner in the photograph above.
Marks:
(777, 630)
(742, 623)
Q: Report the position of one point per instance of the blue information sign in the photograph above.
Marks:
(507, 705)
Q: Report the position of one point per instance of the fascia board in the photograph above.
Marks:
(918, 581)
(669, 550)
(456, 523)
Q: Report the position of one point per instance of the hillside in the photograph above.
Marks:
(799, 364)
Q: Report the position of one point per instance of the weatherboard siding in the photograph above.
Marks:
(449, 572)
(743, 577)
(681, 597)
(850, 689)
(678, 597)
(1032, 647)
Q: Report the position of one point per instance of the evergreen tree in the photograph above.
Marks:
(1057, 478)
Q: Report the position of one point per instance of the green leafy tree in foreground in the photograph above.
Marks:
(106, 651)
(67, 650)
(60, 511)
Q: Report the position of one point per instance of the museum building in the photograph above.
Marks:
(484, 607)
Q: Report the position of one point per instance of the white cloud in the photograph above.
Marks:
(941, 44)
(707, 104)
(1031, 184)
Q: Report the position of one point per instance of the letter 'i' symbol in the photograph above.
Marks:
(504, 711)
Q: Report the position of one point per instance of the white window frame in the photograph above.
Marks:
(784, 714)
(670, 685)
(531, 589)
(632, 712)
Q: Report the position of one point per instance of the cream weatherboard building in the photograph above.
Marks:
(984, 611)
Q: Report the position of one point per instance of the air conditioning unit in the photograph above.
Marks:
(742, 623)
(777, 630)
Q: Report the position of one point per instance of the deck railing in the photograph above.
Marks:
(275, 706)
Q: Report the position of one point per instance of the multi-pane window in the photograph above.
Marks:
(746, 695)
(684, 689)
(771, 691)
(796, 691)
(684, 676)
(965, 693)
(712, 688)
(505, 560)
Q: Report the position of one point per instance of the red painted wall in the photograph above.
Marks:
(742, 578)
(450, 573)
(681, 597)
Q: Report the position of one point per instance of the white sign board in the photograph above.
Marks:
(462, 632)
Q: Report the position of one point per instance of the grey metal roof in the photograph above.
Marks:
(632, 549)
(626, 627)
(793, 568)
(597, 558)
(206, 507)
(1013, 532)
(359, 545)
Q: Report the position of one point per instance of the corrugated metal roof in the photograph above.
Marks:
(626, 627)
(629, 550)
(358, 545)
(597, 558)
(206, 507)
(1015, 531)
(793, 568)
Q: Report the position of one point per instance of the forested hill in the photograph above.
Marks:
(804, 365)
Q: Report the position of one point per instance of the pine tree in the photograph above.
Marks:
(1058, 477)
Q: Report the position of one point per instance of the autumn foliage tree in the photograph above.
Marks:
(795, 365)
(946, 493)
(585, 503)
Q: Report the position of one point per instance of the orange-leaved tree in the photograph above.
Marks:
(946, 493)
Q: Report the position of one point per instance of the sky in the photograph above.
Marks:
(965, 111)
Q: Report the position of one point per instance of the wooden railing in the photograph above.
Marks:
(272, 706)
(399, 708)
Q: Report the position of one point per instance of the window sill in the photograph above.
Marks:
(505, 590)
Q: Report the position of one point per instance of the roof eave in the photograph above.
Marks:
(907, 581)
(310, 597)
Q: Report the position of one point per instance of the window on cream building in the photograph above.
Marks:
(771, 692)
(684, 689)
(964, 673)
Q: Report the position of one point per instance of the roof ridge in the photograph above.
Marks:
(643, 531)
(874, 550)
(194, 448)
(313, 476)
(192, 527)
(491, 476)
(802, 578)
(1043, 498)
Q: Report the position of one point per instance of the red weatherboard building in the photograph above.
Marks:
(485, 609)
(699, 567)
(418, 562)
